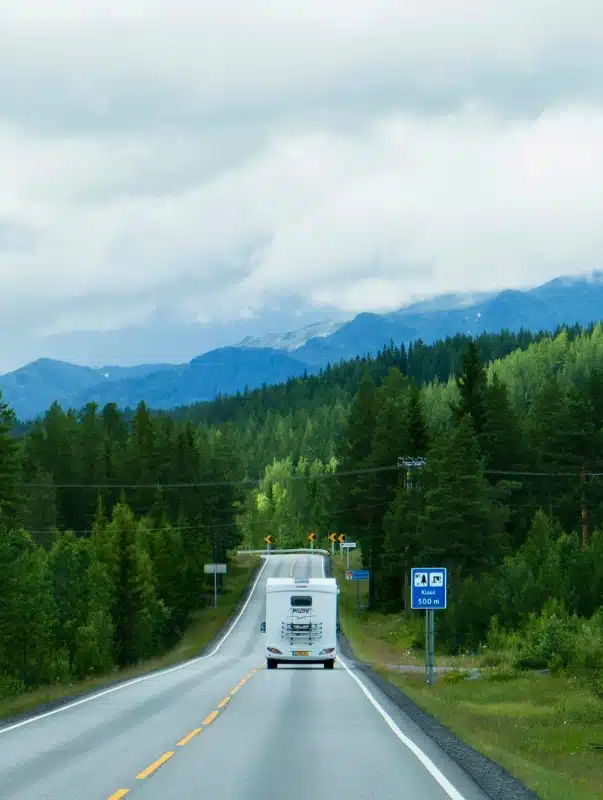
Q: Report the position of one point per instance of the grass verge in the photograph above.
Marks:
(538, 727)
(205, 626)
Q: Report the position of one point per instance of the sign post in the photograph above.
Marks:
(312, 538)
(347, 546)
(332, 539)
(429, 593)
(341, 540)
(268, 540)
(357, 575)
(215, 570)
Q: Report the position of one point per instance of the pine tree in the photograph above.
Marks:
(472, 384)
(130, 607)
(27, 612)
(354, 453)
(401, 546)
(11, 499)
(458, 527)
(500, 437)
(417, 434)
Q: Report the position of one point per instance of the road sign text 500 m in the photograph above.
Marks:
(428, 601)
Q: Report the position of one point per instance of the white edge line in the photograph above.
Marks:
(443, 781)
(453, 793)
(142, 678)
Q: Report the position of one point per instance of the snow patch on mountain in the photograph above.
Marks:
(292, 340)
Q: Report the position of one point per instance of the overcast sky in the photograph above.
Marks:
(210, 157)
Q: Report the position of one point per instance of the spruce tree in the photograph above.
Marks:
(354, 453)
(11, 498)
(459, 528)
(472, 384)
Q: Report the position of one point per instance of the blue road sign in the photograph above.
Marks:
(429, 588)
(357, 574)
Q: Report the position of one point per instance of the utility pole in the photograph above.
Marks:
(409, 462)
(584, 512)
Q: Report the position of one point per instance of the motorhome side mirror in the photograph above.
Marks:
(263, 627)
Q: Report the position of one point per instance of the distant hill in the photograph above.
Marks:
(273, 359)
(33, 388)
(223, 371)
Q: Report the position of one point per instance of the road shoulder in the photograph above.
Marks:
(490, 777)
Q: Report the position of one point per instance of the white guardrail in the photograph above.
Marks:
(276, 552)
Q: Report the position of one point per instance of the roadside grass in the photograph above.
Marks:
(385, 638)
(537, 726)
(205, 625)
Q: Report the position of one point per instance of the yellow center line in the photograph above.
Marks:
(155, 765)
(120, 793)
(188, 737)
(292, 567)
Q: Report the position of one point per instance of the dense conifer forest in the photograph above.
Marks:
(107, 517)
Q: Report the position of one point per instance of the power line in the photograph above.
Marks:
(250, 482)
(207, 484)
(200, 526)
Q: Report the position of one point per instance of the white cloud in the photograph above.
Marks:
(215, 156)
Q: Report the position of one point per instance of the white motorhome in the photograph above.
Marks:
(301, 621)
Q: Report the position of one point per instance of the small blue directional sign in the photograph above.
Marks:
(429, 588)
(357, 574)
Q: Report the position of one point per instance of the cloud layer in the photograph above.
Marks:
(213, 157)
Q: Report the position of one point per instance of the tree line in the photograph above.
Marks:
(105, 528)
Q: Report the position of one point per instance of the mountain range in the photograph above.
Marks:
(253, 362)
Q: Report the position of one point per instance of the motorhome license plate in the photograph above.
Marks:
(301, 653)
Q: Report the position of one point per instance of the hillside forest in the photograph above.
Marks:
(482, 455)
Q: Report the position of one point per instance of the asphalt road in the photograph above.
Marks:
(224, 727)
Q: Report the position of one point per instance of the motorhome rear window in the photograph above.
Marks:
(301, 601)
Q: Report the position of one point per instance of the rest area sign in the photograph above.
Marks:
(429, 588)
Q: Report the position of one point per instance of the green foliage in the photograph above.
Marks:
(110, 569)
(503, 674)
(11, 686)
(549, 639)
(454, 676)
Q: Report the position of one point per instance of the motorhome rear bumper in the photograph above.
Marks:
(314, 658)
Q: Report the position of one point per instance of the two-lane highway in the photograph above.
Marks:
(225, 727)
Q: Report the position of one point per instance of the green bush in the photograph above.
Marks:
(455, 676)
(503, 674)
(596, 683)
(492, 658)
(587, 643)
(549, 640)
(11, 686)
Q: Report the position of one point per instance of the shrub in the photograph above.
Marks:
(503, 674)
(455, 676)
(11, 686)
(587, 653)
(492, 659)
(549, 640)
